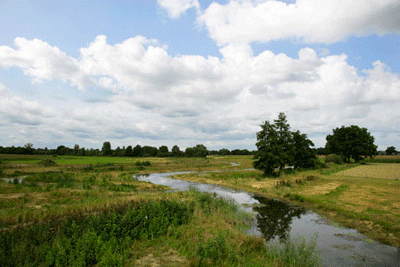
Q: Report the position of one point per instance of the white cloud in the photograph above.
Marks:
(160, 99)
(311, 21)
(176, 8)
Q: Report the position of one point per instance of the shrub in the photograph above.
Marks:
(334, 158)
(47, 163)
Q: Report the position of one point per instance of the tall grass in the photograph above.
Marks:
(102, 239)
(296, 252)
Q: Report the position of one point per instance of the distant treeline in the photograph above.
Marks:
(129, 151)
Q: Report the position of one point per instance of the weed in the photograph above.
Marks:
(214, 250)
(339, 190)
(101, 239)
(296, 252)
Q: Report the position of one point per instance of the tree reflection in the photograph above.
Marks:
(274, 217)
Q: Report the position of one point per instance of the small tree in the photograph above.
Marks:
(391, 150)
(137, 151)
(129, 151)
(176, 152)
(106, 149)
(351, 142)
(163, 151)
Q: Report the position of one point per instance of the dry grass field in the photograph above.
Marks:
(377, 170)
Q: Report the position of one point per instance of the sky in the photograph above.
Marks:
(188, 72)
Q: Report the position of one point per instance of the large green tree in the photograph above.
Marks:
(278, 147)
(351, 142)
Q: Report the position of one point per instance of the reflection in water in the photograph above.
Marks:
(275, 217)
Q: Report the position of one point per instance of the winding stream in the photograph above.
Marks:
(275, 220)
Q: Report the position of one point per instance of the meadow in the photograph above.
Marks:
(90, 211)
(361, 196)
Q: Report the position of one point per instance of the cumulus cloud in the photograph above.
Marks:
(175, 8)
(311, 21)
(156, 98)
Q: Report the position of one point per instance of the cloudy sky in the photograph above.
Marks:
(190, 72)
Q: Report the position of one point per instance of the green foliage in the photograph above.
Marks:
(144, 163)
(215, 250)
(88, 182)
(197, 151)
(351, 142)
(296, 252)
(385, 160)
(106, 149)
(278, 147)
(337, 191)
(47, 163)
(102, 239)
(209, 203)
(334, 158)
(391, 150)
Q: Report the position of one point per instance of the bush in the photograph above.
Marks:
(334, 158)
(47, 163)
(145, 163)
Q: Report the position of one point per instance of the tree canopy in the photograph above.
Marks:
(391, 150)
(351, 142)
(278, 147)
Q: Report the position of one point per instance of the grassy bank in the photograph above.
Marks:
(71, 211)
(364, 197)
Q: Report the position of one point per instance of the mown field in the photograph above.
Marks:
(90, 211)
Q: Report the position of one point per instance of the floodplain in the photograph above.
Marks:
(63, 192)
(91, 211)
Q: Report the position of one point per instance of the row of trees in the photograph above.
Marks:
(278, 147)
(129, 151)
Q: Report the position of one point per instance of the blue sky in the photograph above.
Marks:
(196, 72)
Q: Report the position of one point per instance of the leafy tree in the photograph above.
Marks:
(267, 156)
(29, 148)
(137, 151)
(201, 151)
(190, 152)
(391, 150)
(63, 150)
(76, 149)
(129, 151)
(176, 152)
(304, 155)
(149, 151)
(278, 147)
(106, 150)
(163, 151)
(351, 142)
(224, 152)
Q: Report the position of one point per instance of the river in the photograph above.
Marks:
(276, 219)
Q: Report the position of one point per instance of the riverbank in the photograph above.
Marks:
(85, 211)
(356, 196)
